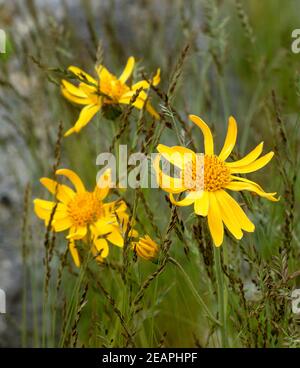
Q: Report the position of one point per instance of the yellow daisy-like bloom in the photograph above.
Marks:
(106, 90)
(84, 214)
(146, 248)
(207, 190)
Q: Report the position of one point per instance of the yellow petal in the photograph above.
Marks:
(237, 212)
(188, 200)
(101, 249)
(184, 151)
(62, 224)
(228, 216)
(74, 179)
(75, 99)
(253, 166)
(43, 210)
(177, 157)
(62, 192)
(85, 116)
(128, 70)
(156, 79)
(230, 139)
(103, 185)
(83, 76)
(251, 187)
(248, 158)
(152, 111)
(141, 84)
(102, 72)
(146, 85)
(116, 238)
(104, 226)
(77, 233)
(166, 182)
(74, 253)
(201, 205)
(73, 90)
(215, 223)
(74, 94)
(139, 102)
(208, 138)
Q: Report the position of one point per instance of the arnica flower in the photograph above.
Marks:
(84, 214)
(209, 196)
(146, 248)
(107, 90)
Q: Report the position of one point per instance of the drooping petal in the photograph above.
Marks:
(85, 116)
(62, 192)
(250, 186)
(237, 212)
(215, 222)
(230, 139)
(201, 205)
(74, 253)
(250, 157)
(208, 138)
(74, 179)
(253, 166)
(188, 200)
(228, 216)
(127, 70)
(83, 76)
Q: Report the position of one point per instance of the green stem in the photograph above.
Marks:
(194, 291)
(221, 296)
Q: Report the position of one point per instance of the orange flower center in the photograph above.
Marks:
(112, 87)
(212, 176)
(85, 208)
(216, 173)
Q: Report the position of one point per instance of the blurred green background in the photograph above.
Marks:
(239, 63)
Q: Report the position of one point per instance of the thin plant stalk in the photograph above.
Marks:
(194, 291)
(221, 296)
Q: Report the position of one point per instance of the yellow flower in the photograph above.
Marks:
(106, 90)
(146, 248)
(207, 190)
(84, 214)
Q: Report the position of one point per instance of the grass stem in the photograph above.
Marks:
(221, 296)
